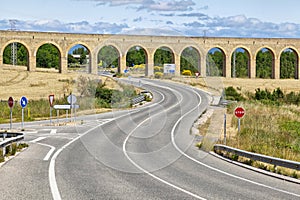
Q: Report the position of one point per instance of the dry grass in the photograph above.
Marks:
(17, 82)
(216, 85)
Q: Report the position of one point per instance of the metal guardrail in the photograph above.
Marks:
(10, 138)
(138, 99)
(259, 157)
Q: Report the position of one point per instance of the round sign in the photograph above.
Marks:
(23, 102)
(72, 99)
(10, 102)
(239, 112)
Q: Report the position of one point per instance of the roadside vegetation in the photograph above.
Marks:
(271, 126)
(12, 150)
(93, 95)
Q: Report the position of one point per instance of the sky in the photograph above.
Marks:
(210, 18)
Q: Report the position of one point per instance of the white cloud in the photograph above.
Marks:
(150, 5)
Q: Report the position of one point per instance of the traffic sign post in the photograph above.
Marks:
(23, 103)
(51, 100)
(239, 112)
(11, 105)
(72, 100)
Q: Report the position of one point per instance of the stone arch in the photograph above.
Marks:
(89, 59)
(160, 61)
(109, 62)
(289, 63)
(59, 50)
(138, 67)
(195, 65)
(2, 50)
(215, 65)
(265, 64)
(240, 62)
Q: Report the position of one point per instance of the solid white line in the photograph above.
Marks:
(37, 139)
(52, 179)
(49, 153)
(52, 149)
(215, 169)
(147, 172)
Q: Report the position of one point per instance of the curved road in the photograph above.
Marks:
(144, 153)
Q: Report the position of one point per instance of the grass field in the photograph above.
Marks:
(17, 82)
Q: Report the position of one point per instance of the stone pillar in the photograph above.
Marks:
(252, 68)
(63, 65)
(203, 65)
(1, 58)
(177, 64)
(93, 65)
(31, 62)
(227, 70)
(122, 66)
(149, 71)
(297, 68)
(276, 70)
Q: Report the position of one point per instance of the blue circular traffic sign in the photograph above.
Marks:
(23, 102)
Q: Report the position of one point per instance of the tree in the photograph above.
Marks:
(22, 55)
(288, 64)
(109, 56)
(241, 64)
(163, 56)
(48, 56)
(215, 63)
(189, 60)
(135, 56)
(264, 64)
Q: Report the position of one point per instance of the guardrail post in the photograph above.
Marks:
(3, 151)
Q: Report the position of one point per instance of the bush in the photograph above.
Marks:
(158, 75)
(13, 149)
(187, 73)
(232, 94)
(158, 69)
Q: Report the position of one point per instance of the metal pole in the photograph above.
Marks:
(57, 115)
(50, 115)
(10, 118)
(239, 125)
(22, 118)
(224, 129)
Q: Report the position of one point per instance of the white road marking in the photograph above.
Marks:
(144, 170)
(52, 148)
(37, 139)
(215, 169)
(52, 179)
(53, 131)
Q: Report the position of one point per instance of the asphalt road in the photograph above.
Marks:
(144, 153)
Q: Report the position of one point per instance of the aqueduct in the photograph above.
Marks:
(177, 44)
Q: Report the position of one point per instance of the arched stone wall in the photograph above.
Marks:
(64, 41)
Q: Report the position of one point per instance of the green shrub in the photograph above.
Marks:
(187, 73)
(13, 149)
(158, 75)
(232, 94)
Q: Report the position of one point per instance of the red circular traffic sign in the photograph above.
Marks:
(239, 112)
(10, 102)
